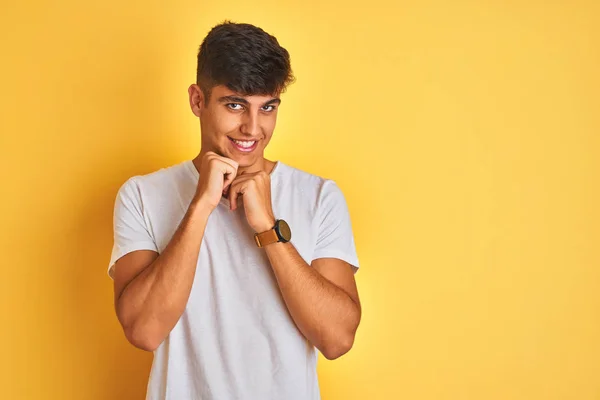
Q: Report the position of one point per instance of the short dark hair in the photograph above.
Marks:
(244, 58)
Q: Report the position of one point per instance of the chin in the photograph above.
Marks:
(244, 162)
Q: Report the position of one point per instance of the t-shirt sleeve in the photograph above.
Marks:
(129, 226)
(335, 238)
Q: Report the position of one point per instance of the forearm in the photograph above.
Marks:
(325, 314)
(153, 302)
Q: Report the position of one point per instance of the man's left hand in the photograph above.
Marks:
(255, 189)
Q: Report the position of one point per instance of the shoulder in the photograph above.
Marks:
(314, 186)
(159, 180)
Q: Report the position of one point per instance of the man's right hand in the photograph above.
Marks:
(216, 174)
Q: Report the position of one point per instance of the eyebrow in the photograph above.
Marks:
(241, 100)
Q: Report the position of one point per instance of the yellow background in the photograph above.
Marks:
(464, 135)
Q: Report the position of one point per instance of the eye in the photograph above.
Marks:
(268, 108)
(234, 106)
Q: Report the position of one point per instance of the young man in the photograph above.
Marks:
(233, 269)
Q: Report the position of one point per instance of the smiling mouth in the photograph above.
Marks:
(243, 145)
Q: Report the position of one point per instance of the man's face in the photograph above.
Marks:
(235, 126)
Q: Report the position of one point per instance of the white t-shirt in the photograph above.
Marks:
(236, 338)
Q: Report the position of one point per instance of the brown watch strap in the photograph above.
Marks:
(264, 238)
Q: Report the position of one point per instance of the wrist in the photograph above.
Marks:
(266, 225)
(279, 232)
(200, 207)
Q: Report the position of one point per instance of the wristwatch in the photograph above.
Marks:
(279, 233)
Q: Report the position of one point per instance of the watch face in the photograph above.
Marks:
(284, 230)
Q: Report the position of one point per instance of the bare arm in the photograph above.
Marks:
(322, 299)
(151, 290)
(150, 298)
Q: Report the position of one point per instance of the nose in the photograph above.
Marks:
(250, 125)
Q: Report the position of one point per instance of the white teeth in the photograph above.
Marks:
(244, 144)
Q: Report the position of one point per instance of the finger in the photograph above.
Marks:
(229, 173)
(243, 178)
(229, 161)
(236, 189)
(229, 178)
(212, 156)
(233, 197)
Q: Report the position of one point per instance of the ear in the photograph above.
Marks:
(196, 99)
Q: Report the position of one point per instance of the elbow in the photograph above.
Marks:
(138, 332)
(142, 338)
(343, 341)
(338, 347)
